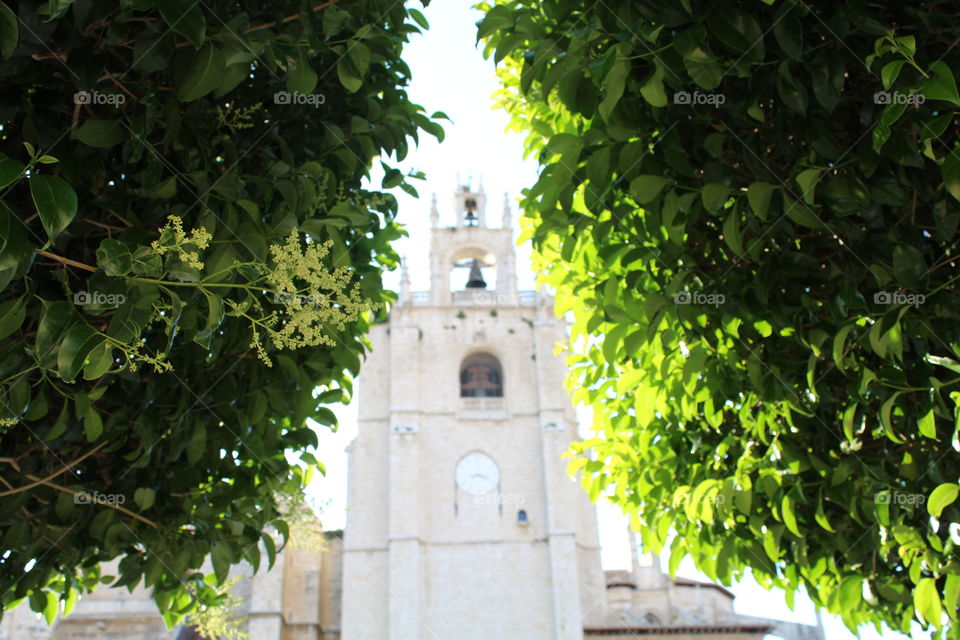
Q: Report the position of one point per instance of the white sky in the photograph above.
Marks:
(450, 75)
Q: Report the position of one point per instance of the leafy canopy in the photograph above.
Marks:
(751, 208)
(187, 257)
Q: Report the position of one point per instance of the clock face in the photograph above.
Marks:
(477, 474)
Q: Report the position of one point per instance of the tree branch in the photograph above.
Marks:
(135, 516)
(296, 16)
(12, 462)
(67, 261)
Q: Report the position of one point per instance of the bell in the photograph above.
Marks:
(475, 280)
(471, 218)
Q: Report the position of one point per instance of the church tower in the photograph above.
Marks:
(462, 521)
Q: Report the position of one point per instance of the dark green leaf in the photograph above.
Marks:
(204, 75)
(9, 32)
(186, 18)
(76, 345)
(114, 257)
(56, 203)
(101, 133)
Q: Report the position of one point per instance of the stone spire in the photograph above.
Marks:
(404, 297)
(506, 211)
(434, 212)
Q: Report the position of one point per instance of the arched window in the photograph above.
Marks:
(481, 377)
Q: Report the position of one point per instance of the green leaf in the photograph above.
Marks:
(271, 548)
(821, 516)
(144, 497)
(851, 593)
(788, 32)
(100, 133)
(12, 313)
(204, 75)
(909, 267)
(950, 171)
(186, 18)
(55, 201)
(951, 594)
(9, 31)
(885, 418)
(800, 213)
(92, 425)
(198, 440)
(613, 84)
(301, 77)
(646, 188)
(889, 73)
(706, 74)
(926, 601)
(57, 9)
(792, 93)
(359, 56)
(114, 257)
(76, 345)
(789, 518)
(51, 608)
(808, 182)
(941, 497)
(927, 425)
(714, 196)
(215, 316)
(759, 195)
(731, 232)
(60, 424)
(99, 361)
(652, 91)
(221, 556)
(348, 76)
(10, 170)
(942, 85)
(727, 25)
(419, 18)
(163, 190)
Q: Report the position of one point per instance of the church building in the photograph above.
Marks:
(462, 522)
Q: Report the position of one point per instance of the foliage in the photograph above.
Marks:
(181, 205)
(758, 247)
(218, 622)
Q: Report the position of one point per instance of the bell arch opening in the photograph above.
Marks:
(473, 268)
(481, 376)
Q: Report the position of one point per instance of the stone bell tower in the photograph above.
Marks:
(462, 521)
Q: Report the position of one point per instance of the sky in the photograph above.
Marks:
(450, 75)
